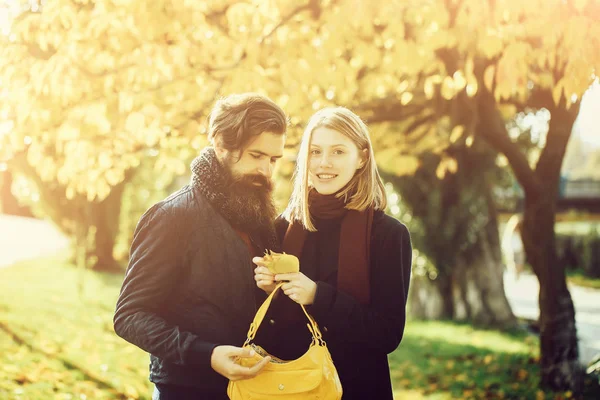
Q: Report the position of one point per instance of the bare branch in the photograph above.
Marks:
(491, 127)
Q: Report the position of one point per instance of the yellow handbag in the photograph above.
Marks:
(312, 376)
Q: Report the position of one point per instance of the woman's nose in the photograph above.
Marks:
(325, 161)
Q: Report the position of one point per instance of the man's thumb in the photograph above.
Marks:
(245, 352)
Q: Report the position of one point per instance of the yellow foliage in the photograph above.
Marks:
(457, 132)
(99, 87)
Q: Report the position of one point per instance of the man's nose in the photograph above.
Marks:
(266, 169)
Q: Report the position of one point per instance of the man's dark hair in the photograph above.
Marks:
(237, 118)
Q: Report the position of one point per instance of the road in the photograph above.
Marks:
(25, 238)
(523, 293)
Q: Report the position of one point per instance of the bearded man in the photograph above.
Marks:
(189, 294)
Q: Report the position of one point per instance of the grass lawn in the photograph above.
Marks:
(56, 344)
(579, 279)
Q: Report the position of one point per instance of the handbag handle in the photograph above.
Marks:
(262, 311)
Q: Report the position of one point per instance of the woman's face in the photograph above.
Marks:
(333, 160)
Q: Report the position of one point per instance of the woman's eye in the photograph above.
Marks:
(255, 156)
(338, 152)
(314, 152)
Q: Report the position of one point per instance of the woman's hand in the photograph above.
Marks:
(265, 280)
(298, 287)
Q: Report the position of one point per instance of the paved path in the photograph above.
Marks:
(523, 297)
(24, 238)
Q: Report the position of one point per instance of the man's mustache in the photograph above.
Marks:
(256, 180)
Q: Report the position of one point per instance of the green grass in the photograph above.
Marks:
(578, 228)
(69, 348)
(578, 278)
(56, 344)
(445, 360)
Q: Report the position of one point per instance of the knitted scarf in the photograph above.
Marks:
(245, 209)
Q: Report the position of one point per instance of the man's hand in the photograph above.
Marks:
(264, 278)
(298, 287)
(223, 362)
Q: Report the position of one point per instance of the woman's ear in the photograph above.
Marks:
(364, 155)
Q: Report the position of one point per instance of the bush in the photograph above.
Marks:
(581, 252)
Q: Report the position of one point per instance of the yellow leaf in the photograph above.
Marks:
(557, 92)
(459, 80)
(131, 391)
(104, 160)
(430, 83)
(452, 165)
(457, 132)
(448, 89)
(406, 165)
(539, 395)
(507, 110)
(429, 88)
(522, 375)
(405, 382)
(490, 45)
(469, 141)
(402, 86)
(103, 189)
(405, 98)
(487, 359)
(472, 89)
(114, 176)
(580, 4)
(488, 77)
(135, 122)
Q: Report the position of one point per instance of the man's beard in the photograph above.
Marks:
(250, 196)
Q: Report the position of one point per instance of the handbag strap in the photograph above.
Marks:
(262, 311)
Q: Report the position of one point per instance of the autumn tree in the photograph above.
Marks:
(475, 63)
(91, 90)
(465, 64)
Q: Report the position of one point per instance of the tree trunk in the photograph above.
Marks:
(8, 203)
(105, 217)
(469, 285)
(473, 292)
(558, 335)
(92, 226)
(427, 300)
(478, 284)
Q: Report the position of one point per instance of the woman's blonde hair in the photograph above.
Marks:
(364, 190)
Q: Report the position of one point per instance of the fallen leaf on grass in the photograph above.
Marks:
(522, 375)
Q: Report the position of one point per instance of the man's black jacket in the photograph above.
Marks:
(189, 286)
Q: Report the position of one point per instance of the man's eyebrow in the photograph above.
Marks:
(333, 145)
(262, 153)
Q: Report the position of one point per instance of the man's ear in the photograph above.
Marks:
(220, 151)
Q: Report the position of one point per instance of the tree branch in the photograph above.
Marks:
(560, 128)
(492, 128)
(286, 18)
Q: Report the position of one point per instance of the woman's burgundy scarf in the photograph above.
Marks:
(355, 237)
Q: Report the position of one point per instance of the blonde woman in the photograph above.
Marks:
(355, 261)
